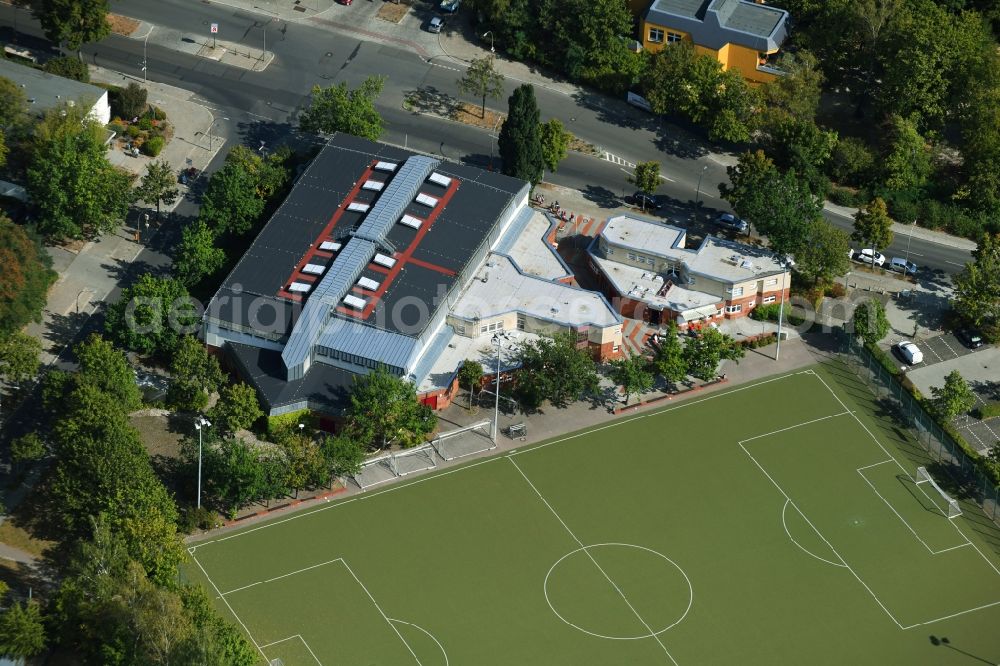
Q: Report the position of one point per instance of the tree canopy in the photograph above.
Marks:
(554, 369)
(339, 109)
(384, 411)
(870, 322)
(237, 408)
(73, 23)
(977, 288)
(704, 352)
(632, 374)
(555, 143)
(158, 186)
(151, 315)
(954, 398)
(873, 226)
(194, 373)
(25, 278)
(520, 140)
(482, 80)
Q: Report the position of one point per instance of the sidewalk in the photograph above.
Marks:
(89, 272)
(206, 46)
(904, 230)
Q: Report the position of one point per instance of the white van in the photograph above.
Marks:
(910, 352)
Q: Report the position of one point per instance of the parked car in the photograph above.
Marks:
(909, 352)
(730, 221)
(865, 256)
(450, 6)
(647, 201)
(903, 266)
(435, 24)
(969, 338)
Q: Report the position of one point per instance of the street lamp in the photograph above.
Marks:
(908, 239)
(490, 33)
(202, 422)
(211, 137)
(781, 309)
(697, 196)
(498, 338)
(148, 32)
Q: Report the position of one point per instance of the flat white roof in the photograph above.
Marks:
(367, 283)
(300, 287)
(533, 253)
(646, 236)
(360, 207)
(427, 200)
(384, 260)
(375, 185)
(355, 302)
(331, 246)
(652, 288)
(733, 262)
(411, 221)
(507, 290)
(478, 349)
(313, 269)
(385, 166)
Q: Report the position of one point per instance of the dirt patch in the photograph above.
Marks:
(17, 537)
(122, 25)
(578, 145)
(393, 12)
(472, 114)
(73, 245)
(157, 436)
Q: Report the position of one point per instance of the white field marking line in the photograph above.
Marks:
(485, 461)
(948, 617)
(226, 601)
(286, 575)
(655, 636)
(298, 636)
(801, 547)
(875, 464)
(429, 635)
(832, 549)
(379, 609)
(793, 427)
(954, 523)
(903, 520)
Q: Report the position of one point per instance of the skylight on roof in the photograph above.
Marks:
(299, 287)
(355, 302)
(443, 181)
(374, 185)
(330, 246)
(411, 221)
(427, 200)
(385, 166)
(367, 283)
(313, 269)
(357, 206)
(384, 260)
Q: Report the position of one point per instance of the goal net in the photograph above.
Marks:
(375, 471)
(923, 476)
(466, 441)
(413, 460)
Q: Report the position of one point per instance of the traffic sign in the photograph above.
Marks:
(215, 28)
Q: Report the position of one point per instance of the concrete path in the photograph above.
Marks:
(16, 555)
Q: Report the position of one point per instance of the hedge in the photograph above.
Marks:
(990, 410)
(276, 424)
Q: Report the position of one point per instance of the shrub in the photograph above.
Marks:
(145, 123)
(201, 518)
(765, 312)
(68, 67)
(844, 196)
(278, 425)
(835, 290)
(131, 101)
(118, 127)
(153, 146)
(156, 113)
(990, 410)
(133, 131)
(851, 162)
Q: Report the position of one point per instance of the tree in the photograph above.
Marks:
(151, 315)
(19, 354)
(851, 162)
(73, 23)
(67, 67)
(520, 140)
(13, 103)
(158, 185)
(668, 359)
(870, 322)
(343, 454)
(196, 256)
(27, 448)
(237, 408)
(106, 369)
(906, 163)
(798, 91)
(704, 353)
(632, 374)
(237, 473)
(195, 374)
(471, 375)
(954, 398)
(24, 280)
(752, 186)
(384, 411)
(482, 80)
(823, 254)
(555, 143)
(554, 369)
(306, 465)
(589, 41)
(73, 186)
(132, 101)
(337, 109)
(799, 144)
(231, 203)
(977, 288)
(646, 178)
(22, 631)
(873, 226)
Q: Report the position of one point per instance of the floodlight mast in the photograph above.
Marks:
(200, 423)
(498, 338)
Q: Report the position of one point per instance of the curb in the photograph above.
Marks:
(287, 505)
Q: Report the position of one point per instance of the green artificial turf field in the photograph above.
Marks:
(775, 523)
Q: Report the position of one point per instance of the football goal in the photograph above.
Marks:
(375, 471)
(923, 476)
(413, 460)
(465, 441)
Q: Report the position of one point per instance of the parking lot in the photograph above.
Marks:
(941, 348)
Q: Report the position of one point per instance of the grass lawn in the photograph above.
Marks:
(776, 523)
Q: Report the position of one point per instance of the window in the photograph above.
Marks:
(673, 38)
(483, 329)
(656, 35)
(522, 322)
(771, 282)
(495, 326)
(736, 291)
(460, 329)
(767, 299)
(631, 257)
(730, 309)
(690, 279)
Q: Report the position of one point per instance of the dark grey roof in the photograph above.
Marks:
(47, 91)
(715, 23)
(405, 185)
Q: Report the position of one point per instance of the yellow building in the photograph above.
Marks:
(740, 34)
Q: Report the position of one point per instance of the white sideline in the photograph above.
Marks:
(655, 636)
(298, 636)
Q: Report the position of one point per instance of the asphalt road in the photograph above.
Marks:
(264, 106)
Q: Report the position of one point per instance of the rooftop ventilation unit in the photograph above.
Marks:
(411, 221)
(384, 260)
(359, 207)
(385, 166)
(427, 200)
(313, 269)
(368, 283)
(374, 185)
(443, 181)
(330, 246)
(299, 287)
(355, 302)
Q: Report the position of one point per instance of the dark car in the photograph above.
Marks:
(969, 338)
(730, 221)
(646, 201)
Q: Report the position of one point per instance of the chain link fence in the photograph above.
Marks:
(948, 456)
